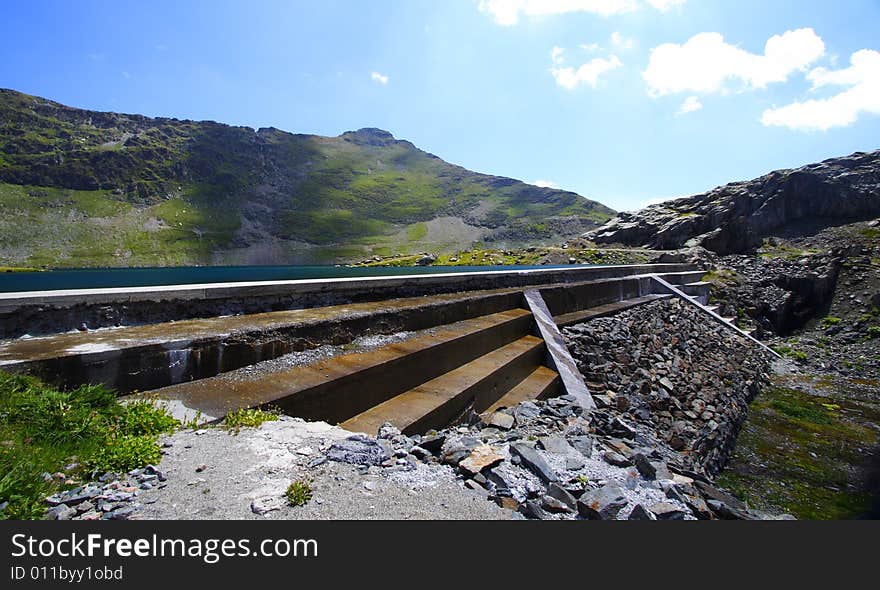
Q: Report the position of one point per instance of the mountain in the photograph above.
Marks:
(86, 188)
(737, 217)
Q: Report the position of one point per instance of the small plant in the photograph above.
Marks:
(142, 417)
(830, 321)
(42, 429)
(299, 492)
(192, 423)
(874, 332)
(125, 452)
(249, 417)
(788, 351)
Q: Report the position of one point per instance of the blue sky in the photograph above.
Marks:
(624, 101)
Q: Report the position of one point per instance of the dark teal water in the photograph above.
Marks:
(94, 278)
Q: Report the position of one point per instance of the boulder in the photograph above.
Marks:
(603, 503)
(534, 462)
(481, 457)
(667, 511)
(639, 512)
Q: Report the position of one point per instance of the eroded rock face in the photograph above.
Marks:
(736, 217)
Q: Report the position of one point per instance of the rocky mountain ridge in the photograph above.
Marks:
(736, 218)
(109, 189)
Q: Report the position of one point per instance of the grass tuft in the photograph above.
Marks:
(249, 417)
(42, 430)
(299, 492)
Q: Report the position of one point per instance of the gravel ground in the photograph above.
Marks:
(213, 474)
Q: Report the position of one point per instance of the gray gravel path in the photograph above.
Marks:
(213, 474)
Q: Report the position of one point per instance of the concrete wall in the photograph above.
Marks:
(59, 311)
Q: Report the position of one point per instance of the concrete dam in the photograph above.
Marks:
(473, 341)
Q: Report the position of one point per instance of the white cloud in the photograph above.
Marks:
(706, 62)
(569, 77)
(664, 5)
(507, 12)
(545, 183)
(690, 105)
(620, 41)
(590, 47)
(556, 55)
(862, 96)
(377, 77)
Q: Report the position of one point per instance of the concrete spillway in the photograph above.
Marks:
(480, 342)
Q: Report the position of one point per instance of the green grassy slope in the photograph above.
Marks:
(105, 189)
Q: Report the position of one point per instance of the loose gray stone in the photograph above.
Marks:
(533, 462)
(602, 504)
(554, 490)
(667, 511)
(266, 504)
(455, 450)
(712, 493)
(726, 512)
(551, 504)
(317, 461)
(583, 444)
(532, 509)
(574, 462)
(616, 459)
(645, 467)
(60, 512)
(84, 507)
(640, 513)
(501, 420)
(698, 507)
(388, 431)
(123, 513)
(497, 478)
(432, 444)
(526, 412)
(358, 450)
(555, 444)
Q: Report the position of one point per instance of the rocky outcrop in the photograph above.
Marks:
(736, 217)
(779, 295)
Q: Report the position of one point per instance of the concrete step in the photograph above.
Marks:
(577, 317)
(158, 355)
(343, 386)
(682, 278)
(437, 402)
(698, 290)
(540, 384)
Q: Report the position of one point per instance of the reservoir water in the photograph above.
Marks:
(96, 278)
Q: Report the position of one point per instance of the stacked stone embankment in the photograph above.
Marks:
(679, 379)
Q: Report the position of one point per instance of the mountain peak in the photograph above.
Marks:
(369, 136)
(198, 192)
